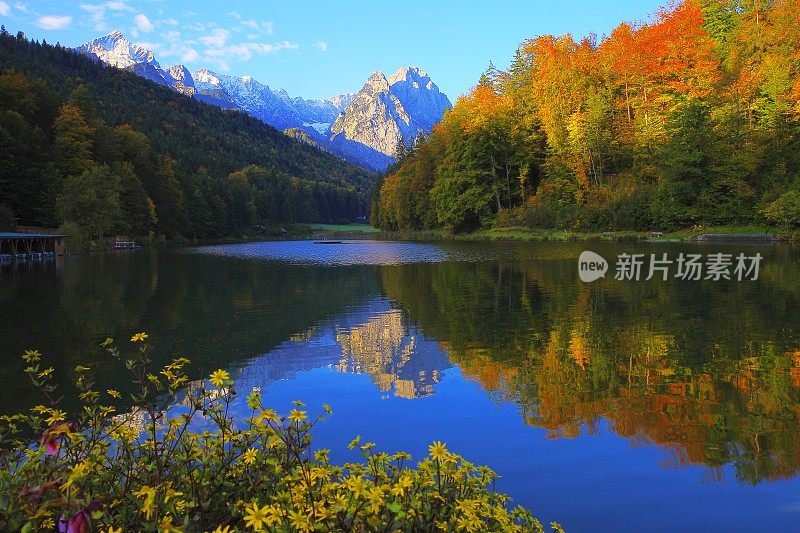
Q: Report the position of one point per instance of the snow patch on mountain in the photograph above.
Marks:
(366, 127)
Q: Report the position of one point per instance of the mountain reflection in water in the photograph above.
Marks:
(684, 393)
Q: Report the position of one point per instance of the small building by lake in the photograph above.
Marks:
(19, 246)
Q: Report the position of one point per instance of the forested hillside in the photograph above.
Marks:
(691, 118)
(113, 152)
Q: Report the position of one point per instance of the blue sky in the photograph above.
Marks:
(317, 49)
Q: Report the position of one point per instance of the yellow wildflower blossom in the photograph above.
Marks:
(299, 521)
(256, 518)
(149, 495)
(219, 377)
(78, 471)
(171, 493)
(438, 450)
(56, 416)
(376, 499)
(267, 414)
(166, 526)
(403, 484)
(249, 457)
(31, 356)
(139, 337)
(355, 485)
(297, 415)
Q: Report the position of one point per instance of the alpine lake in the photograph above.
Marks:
(627, 405)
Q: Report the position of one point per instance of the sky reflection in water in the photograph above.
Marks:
(649, 406)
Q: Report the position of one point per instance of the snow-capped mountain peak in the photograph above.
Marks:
(366, 128)
(409, 74)
(178, 77)
(115, 50)
(390, 111)
(341, 101)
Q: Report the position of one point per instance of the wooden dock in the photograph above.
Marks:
(17, 246)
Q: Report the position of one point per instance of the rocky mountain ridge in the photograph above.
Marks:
(365, 128)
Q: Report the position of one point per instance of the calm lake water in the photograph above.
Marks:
(618, 405)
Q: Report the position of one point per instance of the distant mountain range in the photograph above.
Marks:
(365, 128)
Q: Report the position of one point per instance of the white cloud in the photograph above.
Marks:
(245, 51)
(175, 46)
(170, 22)
(4, 9)
(143, 23)
(118, 5)
(216, 38)
(97, 12)
(19, 6)
(322, 46)
(189, 55)
(54, 22)
(265, 27)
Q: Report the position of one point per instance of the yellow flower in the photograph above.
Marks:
(165, 526)
(249, 457)
(45, 373)
(438, 450)
(297, 416)
(113, 393)
(171, 493)
(220, 529)
(256, 518)
(31, 356)
(112, 530)
(299, 521)
(321, 513)
(139, 337)
(403, 484)
(56, 416)
(149, 495)
(78, 471)
(376, 499)
(267, 414)
(219, 378)
(355, 485)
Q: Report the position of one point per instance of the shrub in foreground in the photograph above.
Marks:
(195, 468)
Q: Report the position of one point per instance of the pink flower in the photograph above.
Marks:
(79, 523)
(50, 442)
(50, 438)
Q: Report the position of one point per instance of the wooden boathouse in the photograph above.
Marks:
(15, 246)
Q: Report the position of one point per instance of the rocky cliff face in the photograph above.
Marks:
(389, 111)
(179, 78)
(365, 128)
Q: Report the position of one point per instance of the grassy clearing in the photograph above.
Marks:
(344, 228)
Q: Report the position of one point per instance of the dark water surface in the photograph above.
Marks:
(618, 405)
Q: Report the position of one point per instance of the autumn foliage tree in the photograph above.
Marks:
(691, 117)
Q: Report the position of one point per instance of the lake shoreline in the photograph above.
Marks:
(730, 234)
(706, 234)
